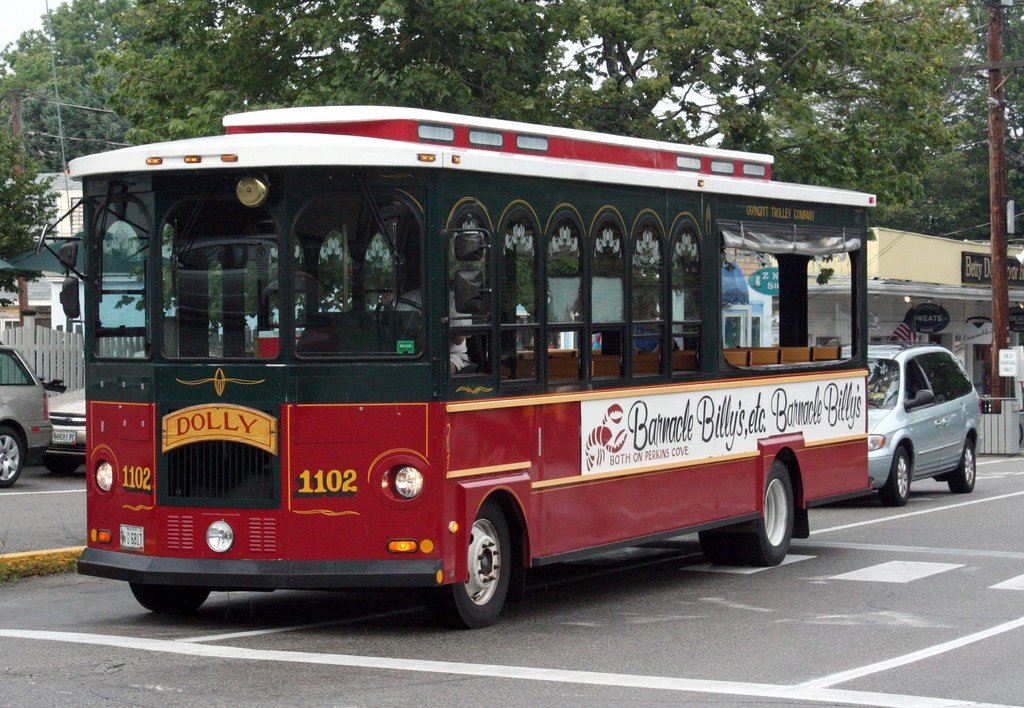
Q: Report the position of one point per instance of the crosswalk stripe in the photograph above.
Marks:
(897, 571)
(1011, 584)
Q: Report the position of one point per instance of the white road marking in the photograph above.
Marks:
(298, 627)
(912, 657)
(55, 491)
(742, 569)
(810, 691)
(1011, 584)
(897, 572)
(947, 507)
(925, 550)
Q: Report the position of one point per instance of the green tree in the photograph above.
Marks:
(80, 30)
(25, 205)
(196, 60)
(843, 93)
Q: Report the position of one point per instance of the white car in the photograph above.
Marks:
(66, 451)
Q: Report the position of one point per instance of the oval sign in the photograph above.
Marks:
(930, 318)
(764, 281)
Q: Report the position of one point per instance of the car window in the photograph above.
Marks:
(914, 379)
(947, 379)
(883, 383)
(13, 372)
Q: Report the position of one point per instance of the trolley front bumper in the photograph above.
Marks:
(226, 574)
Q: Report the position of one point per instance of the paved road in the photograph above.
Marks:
(42, 510)
(901, 607)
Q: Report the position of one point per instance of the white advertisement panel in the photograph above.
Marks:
(634, 432)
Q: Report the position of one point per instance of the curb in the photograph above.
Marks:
(34, 560)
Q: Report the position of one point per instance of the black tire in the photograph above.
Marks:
(169, 599)
(719, 547)
(61, 464)
(769, 543)
(961, 480)
(12, 456)
(896, 490)
(478, 602)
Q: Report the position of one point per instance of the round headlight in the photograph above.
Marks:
(408, 482)
(104, 476)
(219, 536)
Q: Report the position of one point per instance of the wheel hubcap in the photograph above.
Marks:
(484, 562)
(902, 476)
(969, 465)
(775, 512)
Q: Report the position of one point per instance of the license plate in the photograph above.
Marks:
(132, 538)
(64, 437)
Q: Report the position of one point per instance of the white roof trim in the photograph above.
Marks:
(263, 150)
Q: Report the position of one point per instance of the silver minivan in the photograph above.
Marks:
(923, 420)
(24, 427)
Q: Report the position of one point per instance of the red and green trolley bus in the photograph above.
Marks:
(367, 346)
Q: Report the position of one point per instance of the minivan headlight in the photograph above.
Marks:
(875, 442)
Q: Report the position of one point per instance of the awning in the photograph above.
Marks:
(734, 285)
(781, 239)
(45, 261)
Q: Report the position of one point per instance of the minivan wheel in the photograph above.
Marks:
(961, 480)
(12, 456)
(896, 490)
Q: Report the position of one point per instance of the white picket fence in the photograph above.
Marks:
(51, 353)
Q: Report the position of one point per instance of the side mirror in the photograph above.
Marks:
(922, 398)
(55, 385)
(68, 255)
(468, 292)
(469, 245)
(69, 298)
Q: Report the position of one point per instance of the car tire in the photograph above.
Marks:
(896, 490)
(477, 602)
(769, 543)
(169, 599)
(61, 465)
(12, 456)
(961, 480)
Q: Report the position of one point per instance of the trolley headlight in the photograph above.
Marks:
(219, 536)
(875, 442)
(104, 476)
(407, 481)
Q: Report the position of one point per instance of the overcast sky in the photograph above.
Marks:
(16, 16)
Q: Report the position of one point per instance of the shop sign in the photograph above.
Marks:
(765, 281)
(929, 318)
(977, 268)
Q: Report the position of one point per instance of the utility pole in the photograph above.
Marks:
(997, 194)
(19, 169)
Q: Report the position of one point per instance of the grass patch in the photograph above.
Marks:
(14, 566)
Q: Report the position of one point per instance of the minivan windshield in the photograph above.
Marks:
(883, 383)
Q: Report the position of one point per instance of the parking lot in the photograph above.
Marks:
(921, 605)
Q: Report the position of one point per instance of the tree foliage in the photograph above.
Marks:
(25, 204)
(79, 30)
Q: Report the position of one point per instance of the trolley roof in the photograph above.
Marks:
(404, 137)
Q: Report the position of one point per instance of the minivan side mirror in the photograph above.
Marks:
(922, 398)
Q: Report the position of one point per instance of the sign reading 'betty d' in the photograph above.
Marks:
(635, 432)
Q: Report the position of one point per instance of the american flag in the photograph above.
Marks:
(904, 331)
